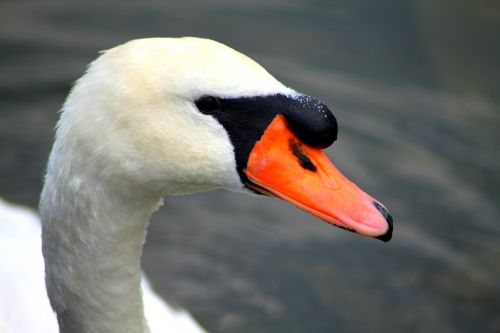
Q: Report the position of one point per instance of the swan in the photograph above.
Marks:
(151, 118)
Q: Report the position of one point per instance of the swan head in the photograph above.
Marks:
(169, 116)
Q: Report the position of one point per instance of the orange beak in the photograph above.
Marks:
(281, 165)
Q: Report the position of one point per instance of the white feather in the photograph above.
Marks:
(129, 132)
(24, 305)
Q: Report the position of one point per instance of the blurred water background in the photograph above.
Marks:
(415, 88)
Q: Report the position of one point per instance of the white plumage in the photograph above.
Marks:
(24, 305)
(128, 133)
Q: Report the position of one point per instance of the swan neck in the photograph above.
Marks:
(92, 236)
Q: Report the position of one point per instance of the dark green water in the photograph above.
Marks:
(414, 85)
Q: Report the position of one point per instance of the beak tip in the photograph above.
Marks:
(385, 213)
(388, 234)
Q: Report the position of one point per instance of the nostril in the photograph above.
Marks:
(385, 213)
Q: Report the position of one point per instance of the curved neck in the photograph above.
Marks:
(92, 244)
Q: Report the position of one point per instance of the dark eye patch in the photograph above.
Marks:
(246, 118)
(208, 104)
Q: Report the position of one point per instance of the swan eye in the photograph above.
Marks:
(207, 104)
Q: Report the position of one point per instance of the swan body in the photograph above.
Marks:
(156, 117)
(24, 305)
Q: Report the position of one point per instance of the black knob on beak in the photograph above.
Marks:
(311, 121)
